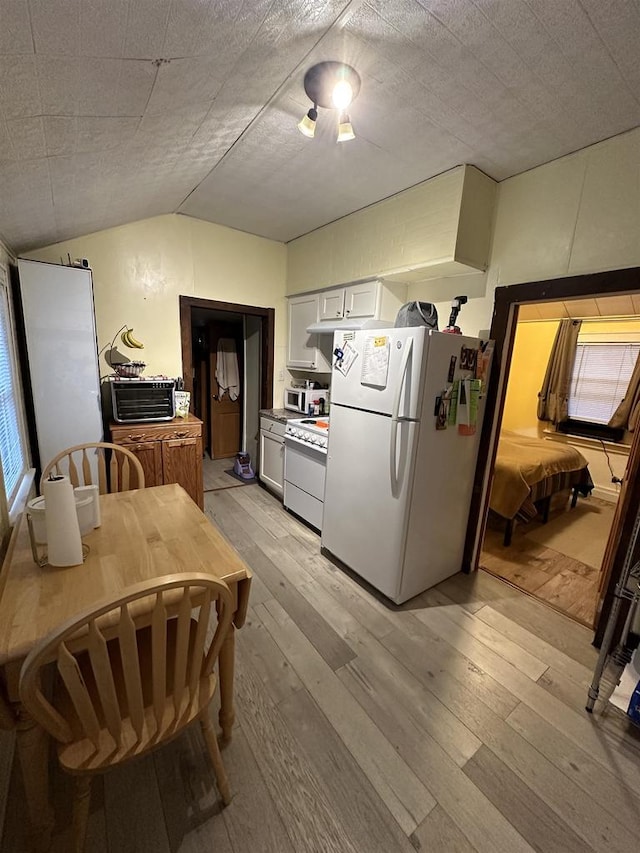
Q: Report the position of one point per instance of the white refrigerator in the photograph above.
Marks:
(398, 489)
(58, 322)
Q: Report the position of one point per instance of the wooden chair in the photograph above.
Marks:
(123, 690)
(125, 470)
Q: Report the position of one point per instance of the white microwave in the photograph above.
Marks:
(299, 399)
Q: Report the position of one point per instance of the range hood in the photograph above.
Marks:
(328, 327)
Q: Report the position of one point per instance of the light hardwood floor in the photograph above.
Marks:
(214, 474)
(452, 723)
(539, 564)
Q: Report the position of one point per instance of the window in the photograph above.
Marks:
(601, 374)
(12, 443)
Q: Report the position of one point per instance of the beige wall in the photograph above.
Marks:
(139, 270)
(531, 352)
(441, 224)
(579, 214)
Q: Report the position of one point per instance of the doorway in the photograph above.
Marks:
(227, 361)
(508, 301)
(553, 548)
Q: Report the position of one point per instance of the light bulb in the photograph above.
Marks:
(307, 124)
(342, 95)
(345, 130)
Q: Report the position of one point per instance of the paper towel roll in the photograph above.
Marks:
(64, 546)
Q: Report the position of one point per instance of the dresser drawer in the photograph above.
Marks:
(154, 432)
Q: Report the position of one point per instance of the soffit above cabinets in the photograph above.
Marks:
(625, 305)
(112, 112)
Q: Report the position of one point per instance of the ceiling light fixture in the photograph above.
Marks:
(332, 86)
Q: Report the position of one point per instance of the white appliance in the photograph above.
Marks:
(305, 461)
(299, 399)
(398, 490)
(62, 356)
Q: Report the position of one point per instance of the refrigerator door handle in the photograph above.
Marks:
(403, 376)
(393, 454)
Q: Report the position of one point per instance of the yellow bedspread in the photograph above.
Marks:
(523, 461)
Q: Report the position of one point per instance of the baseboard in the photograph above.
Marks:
(606, 494)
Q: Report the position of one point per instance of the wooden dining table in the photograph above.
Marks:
(144, 534)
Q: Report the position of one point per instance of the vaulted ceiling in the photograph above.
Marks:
(115, 110)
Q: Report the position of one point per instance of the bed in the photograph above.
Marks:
(528, 472)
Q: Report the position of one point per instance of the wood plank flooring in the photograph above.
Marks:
(452, 723)
(553, 574)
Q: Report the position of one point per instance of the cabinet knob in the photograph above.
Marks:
(136, 437)
(181, 434)
(337, 313)
(348, 311)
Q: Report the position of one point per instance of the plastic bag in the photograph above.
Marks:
(417, 314)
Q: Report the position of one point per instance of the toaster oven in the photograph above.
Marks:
(142, 399)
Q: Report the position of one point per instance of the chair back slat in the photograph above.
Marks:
(159, 658)
(102, 474)
(124, 476)
(73, 472)
(124, 679)
(86, 468)
(103, 673)
(125, 470)
(72, 677)
(183, 629)
(197, 656)
(113, 473)
(131, 670)
(223, 606)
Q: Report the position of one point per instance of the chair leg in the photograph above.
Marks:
(81, 803)
(216, 759)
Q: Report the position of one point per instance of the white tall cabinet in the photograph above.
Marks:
(62, 356)
(305, 351)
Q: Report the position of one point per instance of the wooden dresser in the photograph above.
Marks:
(169, 451)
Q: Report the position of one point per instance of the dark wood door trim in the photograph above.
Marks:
(268, 341)
(503, 326)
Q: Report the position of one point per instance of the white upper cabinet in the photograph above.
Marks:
(332, 304)
(361, 300)
(304, 351)
(354, 300)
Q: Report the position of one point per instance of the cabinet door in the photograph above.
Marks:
(302, 350)
(182, 464)
(272, 462)
(149, 454)
(332, 304)
(360, 299)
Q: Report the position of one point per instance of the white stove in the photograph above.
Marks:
(305, 461)
(314, 432)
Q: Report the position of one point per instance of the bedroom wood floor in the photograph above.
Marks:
(553, 574)
(453, 723)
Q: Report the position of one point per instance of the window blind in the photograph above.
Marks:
(12, 445)
(601, 374)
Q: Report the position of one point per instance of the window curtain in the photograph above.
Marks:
(553, 397)
(628, 412)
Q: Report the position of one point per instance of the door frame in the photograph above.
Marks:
(507, 300)
(267, 337)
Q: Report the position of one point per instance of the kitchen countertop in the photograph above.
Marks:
(282, 415)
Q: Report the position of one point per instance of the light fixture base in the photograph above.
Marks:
(320, 80)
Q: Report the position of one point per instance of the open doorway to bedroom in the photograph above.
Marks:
(560, 464)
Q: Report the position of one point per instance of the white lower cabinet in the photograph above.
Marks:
(272, 455)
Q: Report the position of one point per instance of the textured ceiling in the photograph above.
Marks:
(115, 110)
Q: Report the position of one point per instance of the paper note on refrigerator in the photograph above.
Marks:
(375, 361)
(349, 355)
